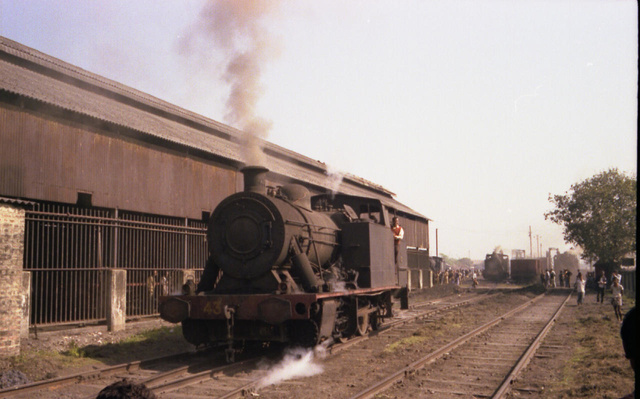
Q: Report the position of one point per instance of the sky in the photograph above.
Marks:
(471, 112)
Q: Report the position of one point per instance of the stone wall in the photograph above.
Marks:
(12, 225)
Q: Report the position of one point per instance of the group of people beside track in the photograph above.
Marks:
(616, 291)
(548, 278)
(455, 277)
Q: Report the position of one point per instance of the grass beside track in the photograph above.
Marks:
(71, 358)
(598, 367)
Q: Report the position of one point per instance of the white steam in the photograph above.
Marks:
(297, 362)
(334, 177)
(340, 286)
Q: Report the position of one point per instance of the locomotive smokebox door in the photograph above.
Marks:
(368, 249)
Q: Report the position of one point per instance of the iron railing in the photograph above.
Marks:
(69, 249)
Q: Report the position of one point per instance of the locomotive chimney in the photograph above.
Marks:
(255, 179)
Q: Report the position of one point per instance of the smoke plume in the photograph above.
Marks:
(235, 29)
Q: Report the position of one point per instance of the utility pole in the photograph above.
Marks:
(541, 249)
(530, 243)
(538, 244)
(437, 253)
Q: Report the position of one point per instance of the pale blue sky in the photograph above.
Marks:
(473, 112)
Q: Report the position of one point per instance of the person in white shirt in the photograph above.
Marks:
(398, 235)
(580, 287)
(616, 298)
(616, 276)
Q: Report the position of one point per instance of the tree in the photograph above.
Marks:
(458, 263)
(599, 215)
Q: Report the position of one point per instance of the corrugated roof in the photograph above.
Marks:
(14, 201)
(35, 75)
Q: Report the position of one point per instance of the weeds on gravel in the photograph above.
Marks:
(155, 335)
(74, 350)
(39, 365)
(145, 344)
(405, 342)
(598, 367)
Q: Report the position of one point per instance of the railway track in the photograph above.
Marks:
(91, 382)
(169, 375)
(251, 381)
(458, 360)
(482, 363)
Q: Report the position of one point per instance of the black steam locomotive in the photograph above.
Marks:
(496, 267)
(288, 267)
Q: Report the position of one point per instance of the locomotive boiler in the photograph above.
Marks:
(288, 267)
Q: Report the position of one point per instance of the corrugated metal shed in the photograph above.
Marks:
(33, 75)
(14, 201)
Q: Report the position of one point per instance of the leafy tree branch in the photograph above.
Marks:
(599, 215)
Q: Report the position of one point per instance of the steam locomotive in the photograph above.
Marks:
(288, 267)
(496, 267)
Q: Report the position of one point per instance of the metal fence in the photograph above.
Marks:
(69, 249)
(629, 281)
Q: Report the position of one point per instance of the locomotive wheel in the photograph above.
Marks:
(363, 324)
(346, 325)
(305, 333)
(376, 321)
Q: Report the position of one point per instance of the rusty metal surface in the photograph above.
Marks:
(416, 232)
(53, 161)
(14, 201)
(526, 269)
(419, 259)
(211, 307)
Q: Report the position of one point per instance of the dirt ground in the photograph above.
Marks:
(50, 354)
(582, 356)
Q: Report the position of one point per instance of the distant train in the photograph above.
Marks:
(288, 267)
(496, 267)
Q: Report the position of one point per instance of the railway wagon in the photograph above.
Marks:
(287, 267)
(526, 270)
